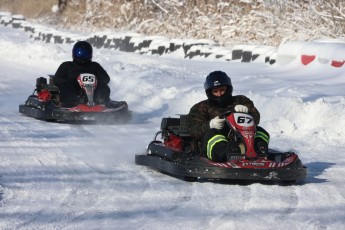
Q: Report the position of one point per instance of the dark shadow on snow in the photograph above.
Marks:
(315, 169)
(1, 192)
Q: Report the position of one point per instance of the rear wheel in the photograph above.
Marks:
(50, 120)
(190, 178)
(289, 182)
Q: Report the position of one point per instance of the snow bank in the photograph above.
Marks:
(318, 52)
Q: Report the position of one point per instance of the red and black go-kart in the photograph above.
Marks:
(174, 155)
(45, 104)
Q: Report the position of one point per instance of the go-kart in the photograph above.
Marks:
(174, 154)
(45, 104)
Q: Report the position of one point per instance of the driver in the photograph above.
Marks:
(205, 125)
(66, 77)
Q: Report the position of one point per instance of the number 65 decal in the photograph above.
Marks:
(87, 78)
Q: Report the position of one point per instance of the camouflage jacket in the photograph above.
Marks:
(201, 113)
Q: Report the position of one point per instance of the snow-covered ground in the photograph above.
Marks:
(63, 176)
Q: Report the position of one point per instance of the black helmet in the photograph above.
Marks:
(214, 80)
(82, 52)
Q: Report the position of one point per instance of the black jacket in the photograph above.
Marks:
(67, 73)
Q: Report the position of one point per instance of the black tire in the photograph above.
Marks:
(190, 179)
(288, 182)
(50, 120)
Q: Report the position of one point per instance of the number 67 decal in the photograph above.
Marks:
(244, 119)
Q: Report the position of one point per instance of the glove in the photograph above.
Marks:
(241, 109)
(217, 123)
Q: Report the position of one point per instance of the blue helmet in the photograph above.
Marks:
(82, 52)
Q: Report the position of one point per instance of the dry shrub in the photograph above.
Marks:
(224, 21)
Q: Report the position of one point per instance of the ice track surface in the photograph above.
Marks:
(66, 176)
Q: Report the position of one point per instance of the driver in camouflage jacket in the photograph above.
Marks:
(204, 123)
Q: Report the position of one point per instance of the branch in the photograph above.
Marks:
(326, 15)
(164, 10)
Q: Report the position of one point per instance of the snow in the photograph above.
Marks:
(64, 176)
